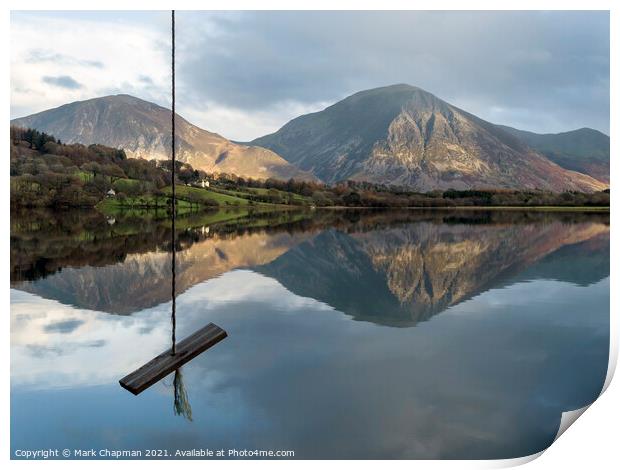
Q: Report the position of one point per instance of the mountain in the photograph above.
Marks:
(406, 136)
(584, 150)
(143, 130)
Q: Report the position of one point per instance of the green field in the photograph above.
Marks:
(189, 199)
(126, 185)
(120, 185)
(283, 197)
(206, 196)
(111, 206)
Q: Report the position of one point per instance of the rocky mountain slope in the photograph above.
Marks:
(406, 136)
(143, 130)
(584, 150)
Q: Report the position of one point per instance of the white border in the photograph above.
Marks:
(591, 443)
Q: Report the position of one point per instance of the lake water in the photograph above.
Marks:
(351, 334)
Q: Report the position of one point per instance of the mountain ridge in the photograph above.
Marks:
(396, 135)
(404, 135)
(142, 129)
(585, 150)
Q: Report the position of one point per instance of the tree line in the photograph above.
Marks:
(366, 194)
(48, 172)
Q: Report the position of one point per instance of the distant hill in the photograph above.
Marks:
(142, 129)
(406, 136)
(584, 150)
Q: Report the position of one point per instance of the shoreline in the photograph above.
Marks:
(495, 208)
(275, 207)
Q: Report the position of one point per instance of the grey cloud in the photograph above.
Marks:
(64, 349)
(542, 71)
(42, 55)
(63, 81)
(65, 326)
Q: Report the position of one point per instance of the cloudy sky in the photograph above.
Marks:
(245, 74)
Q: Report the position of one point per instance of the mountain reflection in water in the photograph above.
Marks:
(511, 316)
(393, 268)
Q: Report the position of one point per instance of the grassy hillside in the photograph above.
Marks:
(191, 199)
(48, 173)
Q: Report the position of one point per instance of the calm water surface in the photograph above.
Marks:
(351, 335)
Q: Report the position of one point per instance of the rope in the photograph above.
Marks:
(174, 208)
